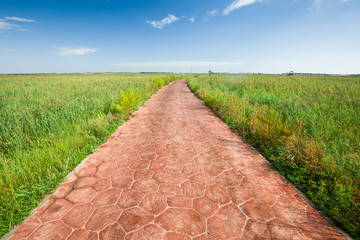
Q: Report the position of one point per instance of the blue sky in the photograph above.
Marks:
(269, 36)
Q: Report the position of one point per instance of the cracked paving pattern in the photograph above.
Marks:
(175, 171)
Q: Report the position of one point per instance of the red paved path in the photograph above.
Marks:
(175, 171)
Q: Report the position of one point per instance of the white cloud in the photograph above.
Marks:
(68, 51)
(160, 24)
(318, 3)
(6, 26)
(19, 19)
(213, 12)
(192, 20)
(210, 13)
(236, 4)
(176, 64)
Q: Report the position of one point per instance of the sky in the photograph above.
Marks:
(237, 36)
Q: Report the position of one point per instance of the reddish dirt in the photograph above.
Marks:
(175, 171)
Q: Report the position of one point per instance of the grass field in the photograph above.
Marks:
(307, 126)
(49, 123)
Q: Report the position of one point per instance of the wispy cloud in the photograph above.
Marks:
(160, 24)
(192, 20)
(18, 19)
(213, 12)
(69, 52)
(6, 26)
(238, 4)
(318, 3)
(176, 64)
(6, 23)
(209, 14)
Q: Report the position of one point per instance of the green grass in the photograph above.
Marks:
(49, 123)
(308, 126)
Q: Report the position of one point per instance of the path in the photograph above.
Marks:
(175, 171)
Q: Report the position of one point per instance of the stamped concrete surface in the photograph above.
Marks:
(175, 171)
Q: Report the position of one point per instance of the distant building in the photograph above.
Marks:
(291, 73)
(210, 72)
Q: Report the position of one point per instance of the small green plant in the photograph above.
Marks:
(97, 126)
(158, 82)
(127, 102)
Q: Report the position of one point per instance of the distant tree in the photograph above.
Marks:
(291, 73)
(210, 72)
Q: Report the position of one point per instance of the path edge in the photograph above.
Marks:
(70, 174)
(303, 195)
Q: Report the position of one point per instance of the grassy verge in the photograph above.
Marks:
(49, 123)
(308, 126)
